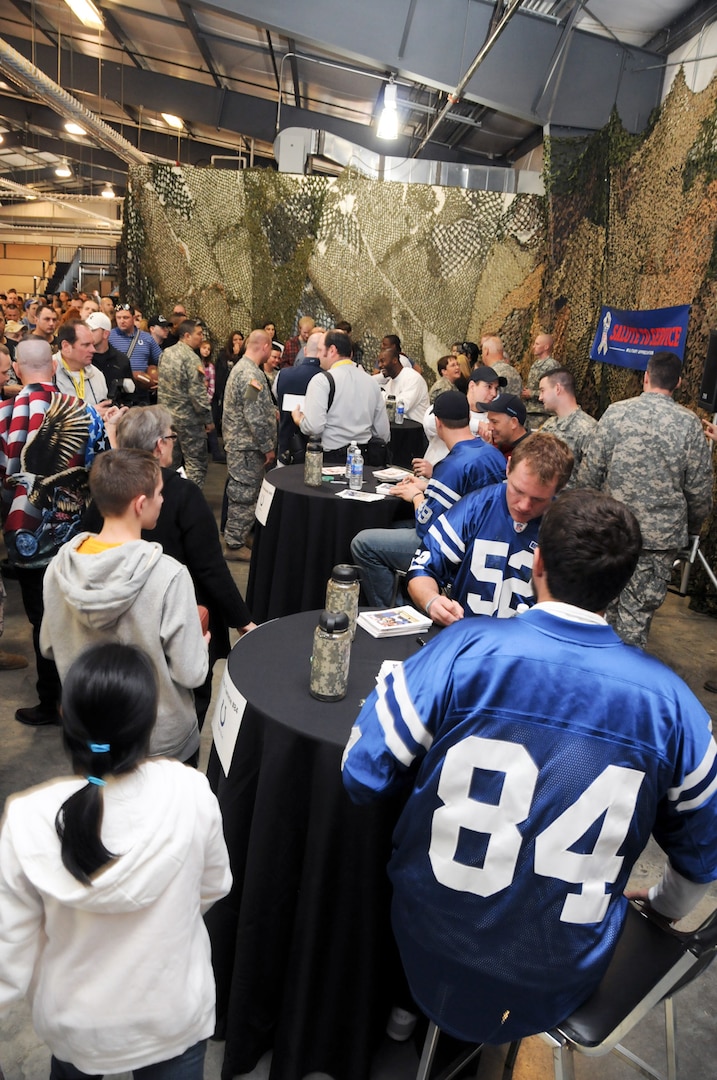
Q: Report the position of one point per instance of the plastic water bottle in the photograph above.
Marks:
(400, 411)
(356, 478)
(349, 459)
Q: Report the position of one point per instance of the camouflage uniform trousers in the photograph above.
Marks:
(246, 473)
(631, 614)
(193, 446)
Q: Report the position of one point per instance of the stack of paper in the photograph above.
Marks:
(392, 622)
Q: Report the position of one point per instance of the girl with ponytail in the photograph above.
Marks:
(104, 877)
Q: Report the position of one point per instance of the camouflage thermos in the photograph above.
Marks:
(313, 464)
(342, 593)
(330, 658)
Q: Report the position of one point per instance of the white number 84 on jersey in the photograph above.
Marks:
(613, 794)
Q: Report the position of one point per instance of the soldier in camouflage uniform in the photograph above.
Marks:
(543, 363)
(249, 427)
(183, 390)
(493, 356)
(651, 453)
(570, 423)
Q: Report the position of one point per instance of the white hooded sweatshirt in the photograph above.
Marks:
(136, 595)
(119, 972)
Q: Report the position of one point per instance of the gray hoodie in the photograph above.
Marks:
(136, 595)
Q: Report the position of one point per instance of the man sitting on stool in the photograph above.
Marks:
(538, 764)
(471, 464)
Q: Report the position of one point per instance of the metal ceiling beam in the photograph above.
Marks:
(243, 114)
(199, 41)
(37, 19)
(558, 62)
(683, 28)
(595, 76)
(480, 56)
(122, 39)
(33, 115)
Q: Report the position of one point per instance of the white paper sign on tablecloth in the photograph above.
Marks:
(228, 715)
(263, 503)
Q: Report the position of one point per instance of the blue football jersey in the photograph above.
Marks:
(542, 753)
(486, 555)
(471, 464)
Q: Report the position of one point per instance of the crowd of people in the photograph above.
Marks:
(522, 505)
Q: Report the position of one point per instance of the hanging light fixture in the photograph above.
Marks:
(73, 128)
(63, 170)
(173, 121)
(87, 13)
(108, 192)
(388, 120)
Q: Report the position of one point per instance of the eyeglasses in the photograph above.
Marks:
(169, 438)
(124, 307)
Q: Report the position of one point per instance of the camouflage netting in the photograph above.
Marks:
(426, 263)
(632, 224)
(628, 220)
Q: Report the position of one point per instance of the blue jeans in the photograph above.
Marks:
(379, 553)
(188, 1066)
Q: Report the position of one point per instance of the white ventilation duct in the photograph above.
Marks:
(33, 81)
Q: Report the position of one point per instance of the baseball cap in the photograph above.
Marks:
(157, 320)
(98, 321)
(12, 327)
(451, 405)
(508, 404)
(487, 374)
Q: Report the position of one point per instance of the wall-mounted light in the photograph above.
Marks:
(63, 170)
(388, 120)
(74, 129)
(87, 13)
(108, 192)
(173, 121)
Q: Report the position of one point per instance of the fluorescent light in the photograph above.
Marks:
(108, 192)
(62, 169)
(173, 121)
(87, 13)
(74, 129)
(388, 120)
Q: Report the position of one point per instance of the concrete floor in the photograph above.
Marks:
(682, 639)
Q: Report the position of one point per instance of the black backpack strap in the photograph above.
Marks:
(332, 388)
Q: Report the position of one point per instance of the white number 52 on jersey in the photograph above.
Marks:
(613, 794)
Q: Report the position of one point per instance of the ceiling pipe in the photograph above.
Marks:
(479, 58)
(30, 193)
(29, 78)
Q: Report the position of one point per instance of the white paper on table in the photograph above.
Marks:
(263, 503)
(361, 496)
(289, 402)
(226, 721)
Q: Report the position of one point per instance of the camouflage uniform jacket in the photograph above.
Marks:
(182, 386)
(651, 453)
(249, 412)
(576, 429)
(512, 377)
(535, 409)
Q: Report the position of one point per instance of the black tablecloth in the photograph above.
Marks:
(302, 946)
(408, 440)
(308, 531)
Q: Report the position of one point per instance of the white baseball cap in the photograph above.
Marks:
(98, 321)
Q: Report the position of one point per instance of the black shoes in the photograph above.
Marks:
(38, 716)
